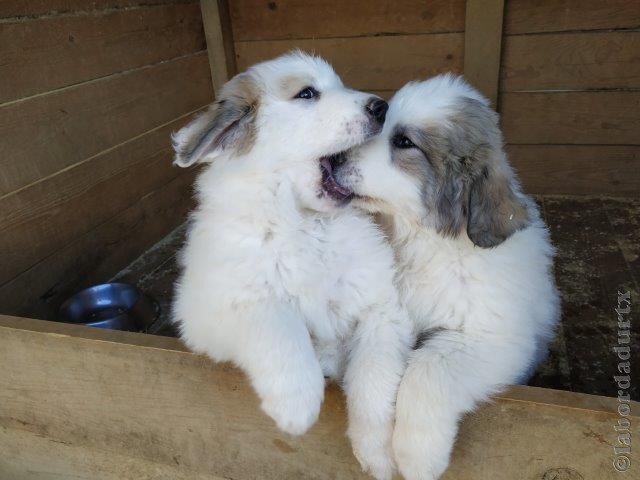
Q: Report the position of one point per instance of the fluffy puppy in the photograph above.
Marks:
(277, 279)
(474, 260)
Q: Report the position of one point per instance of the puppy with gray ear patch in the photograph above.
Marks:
(276, 278)
(474, 259)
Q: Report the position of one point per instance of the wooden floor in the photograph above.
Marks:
(598, 242)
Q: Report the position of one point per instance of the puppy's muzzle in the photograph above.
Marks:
(377, 109)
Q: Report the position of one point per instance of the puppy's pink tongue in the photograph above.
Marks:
(330, 184)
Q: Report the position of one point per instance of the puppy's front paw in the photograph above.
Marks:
(372, 448)
(295, 412)
(419, 458)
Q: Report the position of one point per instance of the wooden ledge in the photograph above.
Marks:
(92, 404)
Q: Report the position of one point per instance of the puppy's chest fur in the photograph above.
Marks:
(321, 264)
(452, 284)
(252, 245)
(330, 268)
(431, 282)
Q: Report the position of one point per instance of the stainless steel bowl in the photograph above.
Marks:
(118, 306)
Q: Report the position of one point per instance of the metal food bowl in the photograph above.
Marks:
(118, 306)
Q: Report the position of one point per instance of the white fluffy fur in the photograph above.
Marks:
(282, 283)
(489, 311)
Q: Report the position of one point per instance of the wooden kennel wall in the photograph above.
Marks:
(569, 70)
(90, 404)
(90, 91)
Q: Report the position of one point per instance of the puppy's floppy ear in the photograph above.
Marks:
(478, 187)
(451, 204)
(495, 211)
(228, 124)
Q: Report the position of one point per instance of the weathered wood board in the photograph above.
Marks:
(90, 404)
(92, 257)
(483, 45)
(537, 16)
(113, 41)
(370, 63)
(571, 61)
(578, 169)
(259, 20)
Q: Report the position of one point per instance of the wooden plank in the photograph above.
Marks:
(98, 254)
(98, 334)
(49, 214)
(482, 45)
(577, 118)
(217, 26)
(571, 61)
(28, 9)
(161, 412)
(529, 16)
(289, 19)
(50, 460)
(227, 36)
(578, 169)
(370, 63)
(47, 133)
(74, 49)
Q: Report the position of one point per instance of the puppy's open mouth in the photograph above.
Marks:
(329, 183)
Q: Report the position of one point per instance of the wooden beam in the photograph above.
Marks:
(85, 403)
(482, 45)
(217, 27)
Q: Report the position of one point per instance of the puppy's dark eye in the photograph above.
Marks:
(401, 141)
(307, 93)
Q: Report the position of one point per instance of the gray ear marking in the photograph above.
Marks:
(227, 124)
(477, 189)
(451, 207)
(194, 136)
(495, 212)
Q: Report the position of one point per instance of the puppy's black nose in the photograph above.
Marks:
(377, 109)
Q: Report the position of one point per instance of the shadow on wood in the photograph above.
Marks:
(94, 404)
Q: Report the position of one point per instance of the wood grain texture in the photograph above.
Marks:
(528, 16)
(577, 118)
(370, 63)
(578, 169)
(224, 11)
(217, 25)
(98, 254)
(49, 214)
(571, 61)
(202, 421)
(73, 49)
(29, 9)
(298, 19)
(482, 45)
(45, 134)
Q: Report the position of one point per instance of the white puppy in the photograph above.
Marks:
(276, 278)
(473, 255)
